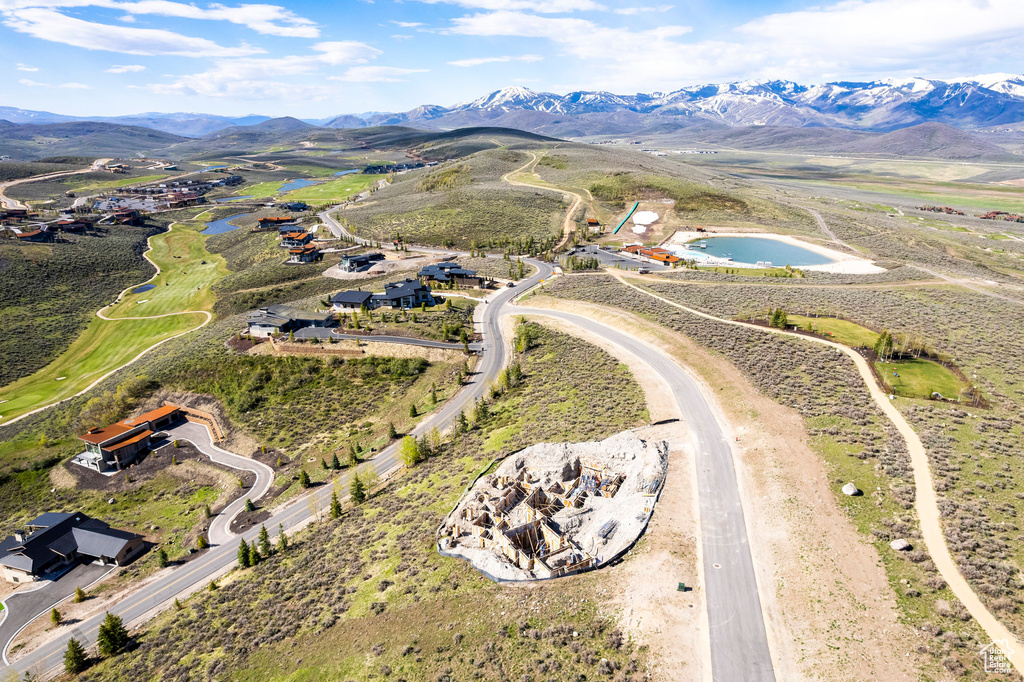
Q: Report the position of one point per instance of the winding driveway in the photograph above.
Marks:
(7, 202)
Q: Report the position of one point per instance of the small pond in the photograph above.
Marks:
(297, 183)
(221, 226)
(209, 168)
(144, 287)
(751, 250)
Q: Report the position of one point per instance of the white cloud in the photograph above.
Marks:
(398, 36)
(477, 61)
(375, 74)
(51, 25)
(539, 6)
(33, 84)
(76, 86)
(630, 11)
(847, 39)
(26, 67)
(265, 19)
(406, 24)
(126, 68)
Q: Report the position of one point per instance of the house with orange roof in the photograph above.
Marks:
(117, 445)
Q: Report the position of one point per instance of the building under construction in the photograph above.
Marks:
(547, 513)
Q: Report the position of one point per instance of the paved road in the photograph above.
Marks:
(199, 435)
(182, 580)
(21, 608)
(739, 644)
(326, 333)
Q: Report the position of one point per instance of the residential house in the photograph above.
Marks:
(409, 293)
(449, 272)
(359, 262)
(281, 319)
(119, 444)
(55, 540)
(347, 301)
(73, 225)
(295, 239)
(304, 254)
(127, 216)
(36, 235)
(275, 221)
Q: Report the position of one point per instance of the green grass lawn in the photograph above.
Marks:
(919, 378)
(333, 190)
(183, 284)
(844, 332)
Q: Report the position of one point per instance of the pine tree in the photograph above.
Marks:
(202, 542)
(264, 538)
(335, 463)
(323, 464)
(254, 554)
(392, 433)
(335, 506)
(178, 606)
(433, 394)
(55, 617)
(357, 491)
(249, 506)
(412, 411)
(461, 423)
(207, 511)
(112, 637)
(161, 558)
(79, 595)
(74, 657)
(244, 560)
(282, 539)
(304, 479)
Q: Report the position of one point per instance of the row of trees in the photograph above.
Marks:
(112, 639)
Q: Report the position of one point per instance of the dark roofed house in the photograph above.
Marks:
(449, 272)
(73, 225)
(36, 235)
(408, 293)
(55, 540)
(281, 319)
(350, 300)
(360, 261)
(119, 444)
(276, 221)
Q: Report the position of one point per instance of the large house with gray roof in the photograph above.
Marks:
(281, 319)
(56, 540)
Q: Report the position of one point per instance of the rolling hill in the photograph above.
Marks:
(87, 138)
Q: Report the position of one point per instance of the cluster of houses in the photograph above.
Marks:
(402, 295)
(298, 241)
(178, 193)
(395, 167)
(24, 226)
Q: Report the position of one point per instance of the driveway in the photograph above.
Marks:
(199, 435)
(21, 608)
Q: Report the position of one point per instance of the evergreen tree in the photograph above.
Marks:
(304, 479)
(161, 558)
(264, 538)
(254, 553)
(335, 506)
(79, 595)
(249, 506)
(55, 617)
(461, 423)
(207, 511)
(112, 637)
(412, 411)
(392, 433)
(323, 464)
(282, 539)
(74, 657)
(335, 464)
(244, 560)
(357, 491)
(202, 542)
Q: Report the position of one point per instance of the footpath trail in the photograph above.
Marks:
(118, 338)
(925, 503)
(577, 199)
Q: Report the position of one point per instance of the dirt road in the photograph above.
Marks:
(7, 202)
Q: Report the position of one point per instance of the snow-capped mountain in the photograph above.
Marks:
(889, 104)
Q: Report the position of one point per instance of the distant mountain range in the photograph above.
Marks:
(981, 102)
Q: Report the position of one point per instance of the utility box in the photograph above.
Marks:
(681, 588)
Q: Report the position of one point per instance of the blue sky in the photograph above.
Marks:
(316, 59)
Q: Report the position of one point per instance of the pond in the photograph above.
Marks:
(347, 172)
(754, 250)
(224, 200)
(221, 226)
(297, 183)
(144, 287)
(209, 168)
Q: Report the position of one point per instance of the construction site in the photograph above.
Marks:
(556, 509)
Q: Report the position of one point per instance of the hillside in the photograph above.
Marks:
(935, 140)
(34, 141)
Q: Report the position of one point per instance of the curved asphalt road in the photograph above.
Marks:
(182, 580)
(739, 643)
